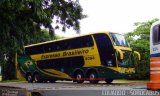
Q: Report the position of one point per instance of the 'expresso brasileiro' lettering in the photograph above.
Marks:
(65, 53)
(75, 52)
(50, 56)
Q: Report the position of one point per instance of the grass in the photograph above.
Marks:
(10, 81)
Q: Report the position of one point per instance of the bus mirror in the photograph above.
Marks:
(138, 54)
(120, 53)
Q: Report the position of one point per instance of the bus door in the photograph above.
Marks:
(106, 50)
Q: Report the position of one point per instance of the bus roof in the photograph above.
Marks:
(155, 23)
(65, 39)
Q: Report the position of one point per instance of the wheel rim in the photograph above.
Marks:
(79, 77)
(36, 78)
(29, 78)
(92, 77)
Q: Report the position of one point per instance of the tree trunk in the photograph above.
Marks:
(8, 68)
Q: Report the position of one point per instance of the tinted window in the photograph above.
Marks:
(79, 42)
(49, 47)
(156, 34)
(34, 50)
(55, 46)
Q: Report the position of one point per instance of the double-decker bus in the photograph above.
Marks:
(94, 57)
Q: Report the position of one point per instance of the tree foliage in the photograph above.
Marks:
(21, 21)
(139, 41)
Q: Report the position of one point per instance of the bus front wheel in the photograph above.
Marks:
(108, 81)
(93, 77)
(79, 77)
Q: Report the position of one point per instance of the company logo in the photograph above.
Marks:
(28, 63)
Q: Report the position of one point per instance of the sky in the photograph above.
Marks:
(114, 15)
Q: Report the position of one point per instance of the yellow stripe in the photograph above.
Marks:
(23, 70)
(121, 69)
(60, 54)
(60, 74)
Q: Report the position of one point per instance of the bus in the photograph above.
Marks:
(93, 57)
(154, 57)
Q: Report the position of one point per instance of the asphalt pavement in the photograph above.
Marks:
(68, 88)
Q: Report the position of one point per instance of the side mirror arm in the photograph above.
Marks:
(120, 53)
(138, 54)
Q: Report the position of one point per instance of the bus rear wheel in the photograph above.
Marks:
(79, 77)
(36, 78)
(93, 77)
(29, 78)
(108, 81)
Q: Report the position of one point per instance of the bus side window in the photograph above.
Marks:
(48, 48)
(68, 44)
(38, 49)
(34, 50)
(85, 41)
(58, 47)
(73, 43)
(89, 41)
(156, 34)
(27, 51)
(62, 45)
(78, 42)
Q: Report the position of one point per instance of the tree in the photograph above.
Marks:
(139, 41)
(21, 21)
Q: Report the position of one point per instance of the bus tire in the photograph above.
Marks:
(29, 78)
(93, 77)
(79, 76)
(36, 78)
(108, 81)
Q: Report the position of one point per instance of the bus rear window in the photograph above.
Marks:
(156, 34)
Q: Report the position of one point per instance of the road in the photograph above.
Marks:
(68, 88)
(63, 85)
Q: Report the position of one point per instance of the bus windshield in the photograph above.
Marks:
(119, 40)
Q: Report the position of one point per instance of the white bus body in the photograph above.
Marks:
(155, 39)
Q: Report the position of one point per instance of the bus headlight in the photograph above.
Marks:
(122, 72)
